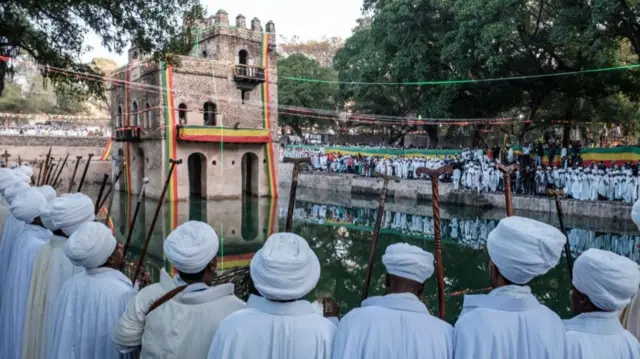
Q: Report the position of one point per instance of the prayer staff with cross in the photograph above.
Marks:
(6, 156)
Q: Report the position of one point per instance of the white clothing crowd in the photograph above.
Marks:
(52, 131)
(64, 296)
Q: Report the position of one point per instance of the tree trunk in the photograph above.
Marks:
(432, 131)
(566, 135)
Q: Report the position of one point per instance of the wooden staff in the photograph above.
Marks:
(46, 165)
(57, 176)
(49, 172)
(506, 175)
(19, 161)
(435, 203)
(104, 183)
(155, 218)
(73, 176)
(376, 229)
(135, 216)
(52, 175)
(294, 186)
(41, 163)
(567, 246)
(111, 192)
(84, 174)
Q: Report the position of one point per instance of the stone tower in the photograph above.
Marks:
(216, 110)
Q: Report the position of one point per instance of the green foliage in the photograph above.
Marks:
(53, 32)
(305, 94)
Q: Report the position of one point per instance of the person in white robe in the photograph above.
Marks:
(90, 303)
(504, 323)
(283, 271)
(394, 325)
(630, 317)
(183, 326)
(603, 284)
(52, 268)
(27, 208)
(7, 180)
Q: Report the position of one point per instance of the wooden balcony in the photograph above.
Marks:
(127, 134)
(222, 134)
(248, 76)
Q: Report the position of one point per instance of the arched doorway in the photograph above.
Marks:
(250, 174)
(140, 167)
(197, 164)
(243, 57)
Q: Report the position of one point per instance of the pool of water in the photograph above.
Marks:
(338, 228)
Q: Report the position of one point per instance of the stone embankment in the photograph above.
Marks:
(414, 190)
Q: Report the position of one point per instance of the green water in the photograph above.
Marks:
(339, 231)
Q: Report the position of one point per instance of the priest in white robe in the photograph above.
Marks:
(397, 325)
(631, 315)
(183, 322)
(283, 271)
(72, 211)
(27, 208)
(90, 303)
(509, 322)
(603, 284)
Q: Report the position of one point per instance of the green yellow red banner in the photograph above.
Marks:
(221, 134)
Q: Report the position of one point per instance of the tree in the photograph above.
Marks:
(304, 94)
(322, 51)
(52, 32)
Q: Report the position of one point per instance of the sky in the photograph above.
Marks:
(310, 20)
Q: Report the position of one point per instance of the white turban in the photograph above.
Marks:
(7, 179)
(635, 213)
(191, 246)
(11, 192)
(28, 205)
(12, 164)
(45, 217)
(25, 170)
(90, 246)
(48, 192)
(23, 177)
(69, 212)
(523, 248)
(407, 261)
(608, 279)
(285, 268)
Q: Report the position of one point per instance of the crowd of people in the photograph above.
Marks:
(64, 296)
(53, 131)
(476, 170)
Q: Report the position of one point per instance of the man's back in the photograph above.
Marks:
(599, 335)
(394, 326)
(184, 326)
(497, 327)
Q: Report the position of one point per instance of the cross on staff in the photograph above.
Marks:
(506, 174)
(376, 229)
(294, 186)
(6, 156)
(435, 174)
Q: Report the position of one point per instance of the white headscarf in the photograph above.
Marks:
(191, 246)
(28, 205)
(635, 213)
(7, 179)
(285, 268)
(45, 217)
(47, 191)
(12, 165)
(23, 177)
(90, 246)
(407, 261)
(608, 279)
(523, 248)
(69, 212)
(26, 170)
(11, 192)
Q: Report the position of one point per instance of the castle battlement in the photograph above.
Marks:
(218, 24)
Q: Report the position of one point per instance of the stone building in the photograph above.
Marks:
(216, 110)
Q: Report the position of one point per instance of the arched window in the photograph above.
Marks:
(134, 114)
(119, 118)
(243, 57)
(210, 111)
(204, 54)
(135, 55)
(182, 114)
(147, 116)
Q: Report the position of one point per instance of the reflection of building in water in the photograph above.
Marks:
(470, 232)
(240, 235)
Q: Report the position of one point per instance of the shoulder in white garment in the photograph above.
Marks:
(599, 335)
(392, 326)
(296, 331)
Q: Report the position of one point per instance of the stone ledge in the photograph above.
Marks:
(63, 141)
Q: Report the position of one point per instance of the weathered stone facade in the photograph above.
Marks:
(219, 86)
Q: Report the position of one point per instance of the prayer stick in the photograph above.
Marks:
(84, 174)
(567, 246)
(435, 202)
(155, 218)
(135, 216)
(104, 183)
(49, 172)
(376, 230)
(52, 175)
(75, 170)
(506, 174)
(39, 172)
(46, 165)
(294, 186)
(111, 192)
(57, 176)
(19, 161)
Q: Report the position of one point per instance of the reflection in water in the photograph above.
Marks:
(340, 236)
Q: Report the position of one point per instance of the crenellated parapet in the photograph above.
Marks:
(218, 24)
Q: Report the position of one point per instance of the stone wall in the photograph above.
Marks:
(46, 141)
